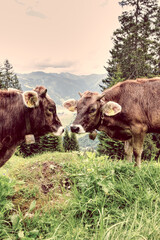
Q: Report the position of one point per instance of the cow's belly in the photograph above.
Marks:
(118, 133)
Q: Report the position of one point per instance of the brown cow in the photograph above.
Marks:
(23, 113)
(126, 112)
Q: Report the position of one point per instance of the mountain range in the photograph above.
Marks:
(61, 86)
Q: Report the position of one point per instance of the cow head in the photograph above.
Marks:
(90, 109)
(45, 119)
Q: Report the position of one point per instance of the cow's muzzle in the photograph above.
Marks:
(77, 129)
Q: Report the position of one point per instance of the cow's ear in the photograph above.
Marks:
(111, 108)
(30, 99)
(42, 91)
(71, 105)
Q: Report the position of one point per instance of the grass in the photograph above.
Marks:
(68, 196)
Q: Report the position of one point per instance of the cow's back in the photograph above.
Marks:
(11, 114)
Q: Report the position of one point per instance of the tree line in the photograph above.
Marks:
(50, 143)
(135, 54)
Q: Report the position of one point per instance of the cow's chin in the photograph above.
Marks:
(59, 131)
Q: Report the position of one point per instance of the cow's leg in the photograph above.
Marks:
(128, 148)
(5, 154)
(138, 141)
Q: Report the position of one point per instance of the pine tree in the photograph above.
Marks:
(73, 142)
(116, 77)
(110, 147)
(9, 78)
(70, 142)
(156, 63)
(31, 149)
(66, 141)
(51, 143)
(138, 27)
(136, 42)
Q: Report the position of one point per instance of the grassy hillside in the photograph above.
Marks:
(67, 196)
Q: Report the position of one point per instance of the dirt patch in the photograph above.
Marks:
(46, 182)
(53, 178)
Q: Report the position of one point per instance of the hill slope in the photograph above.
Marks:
(69, 196)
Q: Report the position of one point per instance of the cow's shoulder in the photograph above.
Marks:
(11, 93)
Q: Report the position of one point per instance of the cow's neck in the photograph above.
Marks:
(101, 122)
(29, 137)
(27, 120)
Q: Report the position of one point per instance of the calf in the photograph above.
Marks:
(126, 112)
(23, 113)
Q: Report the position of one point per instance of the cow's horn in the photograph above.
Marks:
(80, 94)
(100, 96)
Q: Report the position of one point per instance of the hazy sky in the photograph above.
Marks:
(58, 35)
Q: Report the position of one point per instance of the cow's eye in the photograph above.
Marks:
(51, 110)
(92, 110)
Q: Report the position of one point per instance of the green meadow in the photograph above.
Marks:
(69, 196)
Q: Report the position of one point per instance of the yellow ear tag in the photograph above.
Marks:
(110, 112)
(72, 108)
(29, 104)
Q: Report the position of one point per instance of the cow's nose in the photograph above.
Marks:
(75, 129)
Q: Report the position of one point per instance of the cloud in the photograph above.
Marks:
(104, 3)
(19, 2)
(48, 64)
(30, 11)
(33, 13)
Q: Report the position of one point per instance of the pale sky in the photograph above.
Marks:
(58, 35)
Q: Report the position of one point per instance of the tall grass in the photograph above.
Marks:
(6, 192)
(105, 200)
